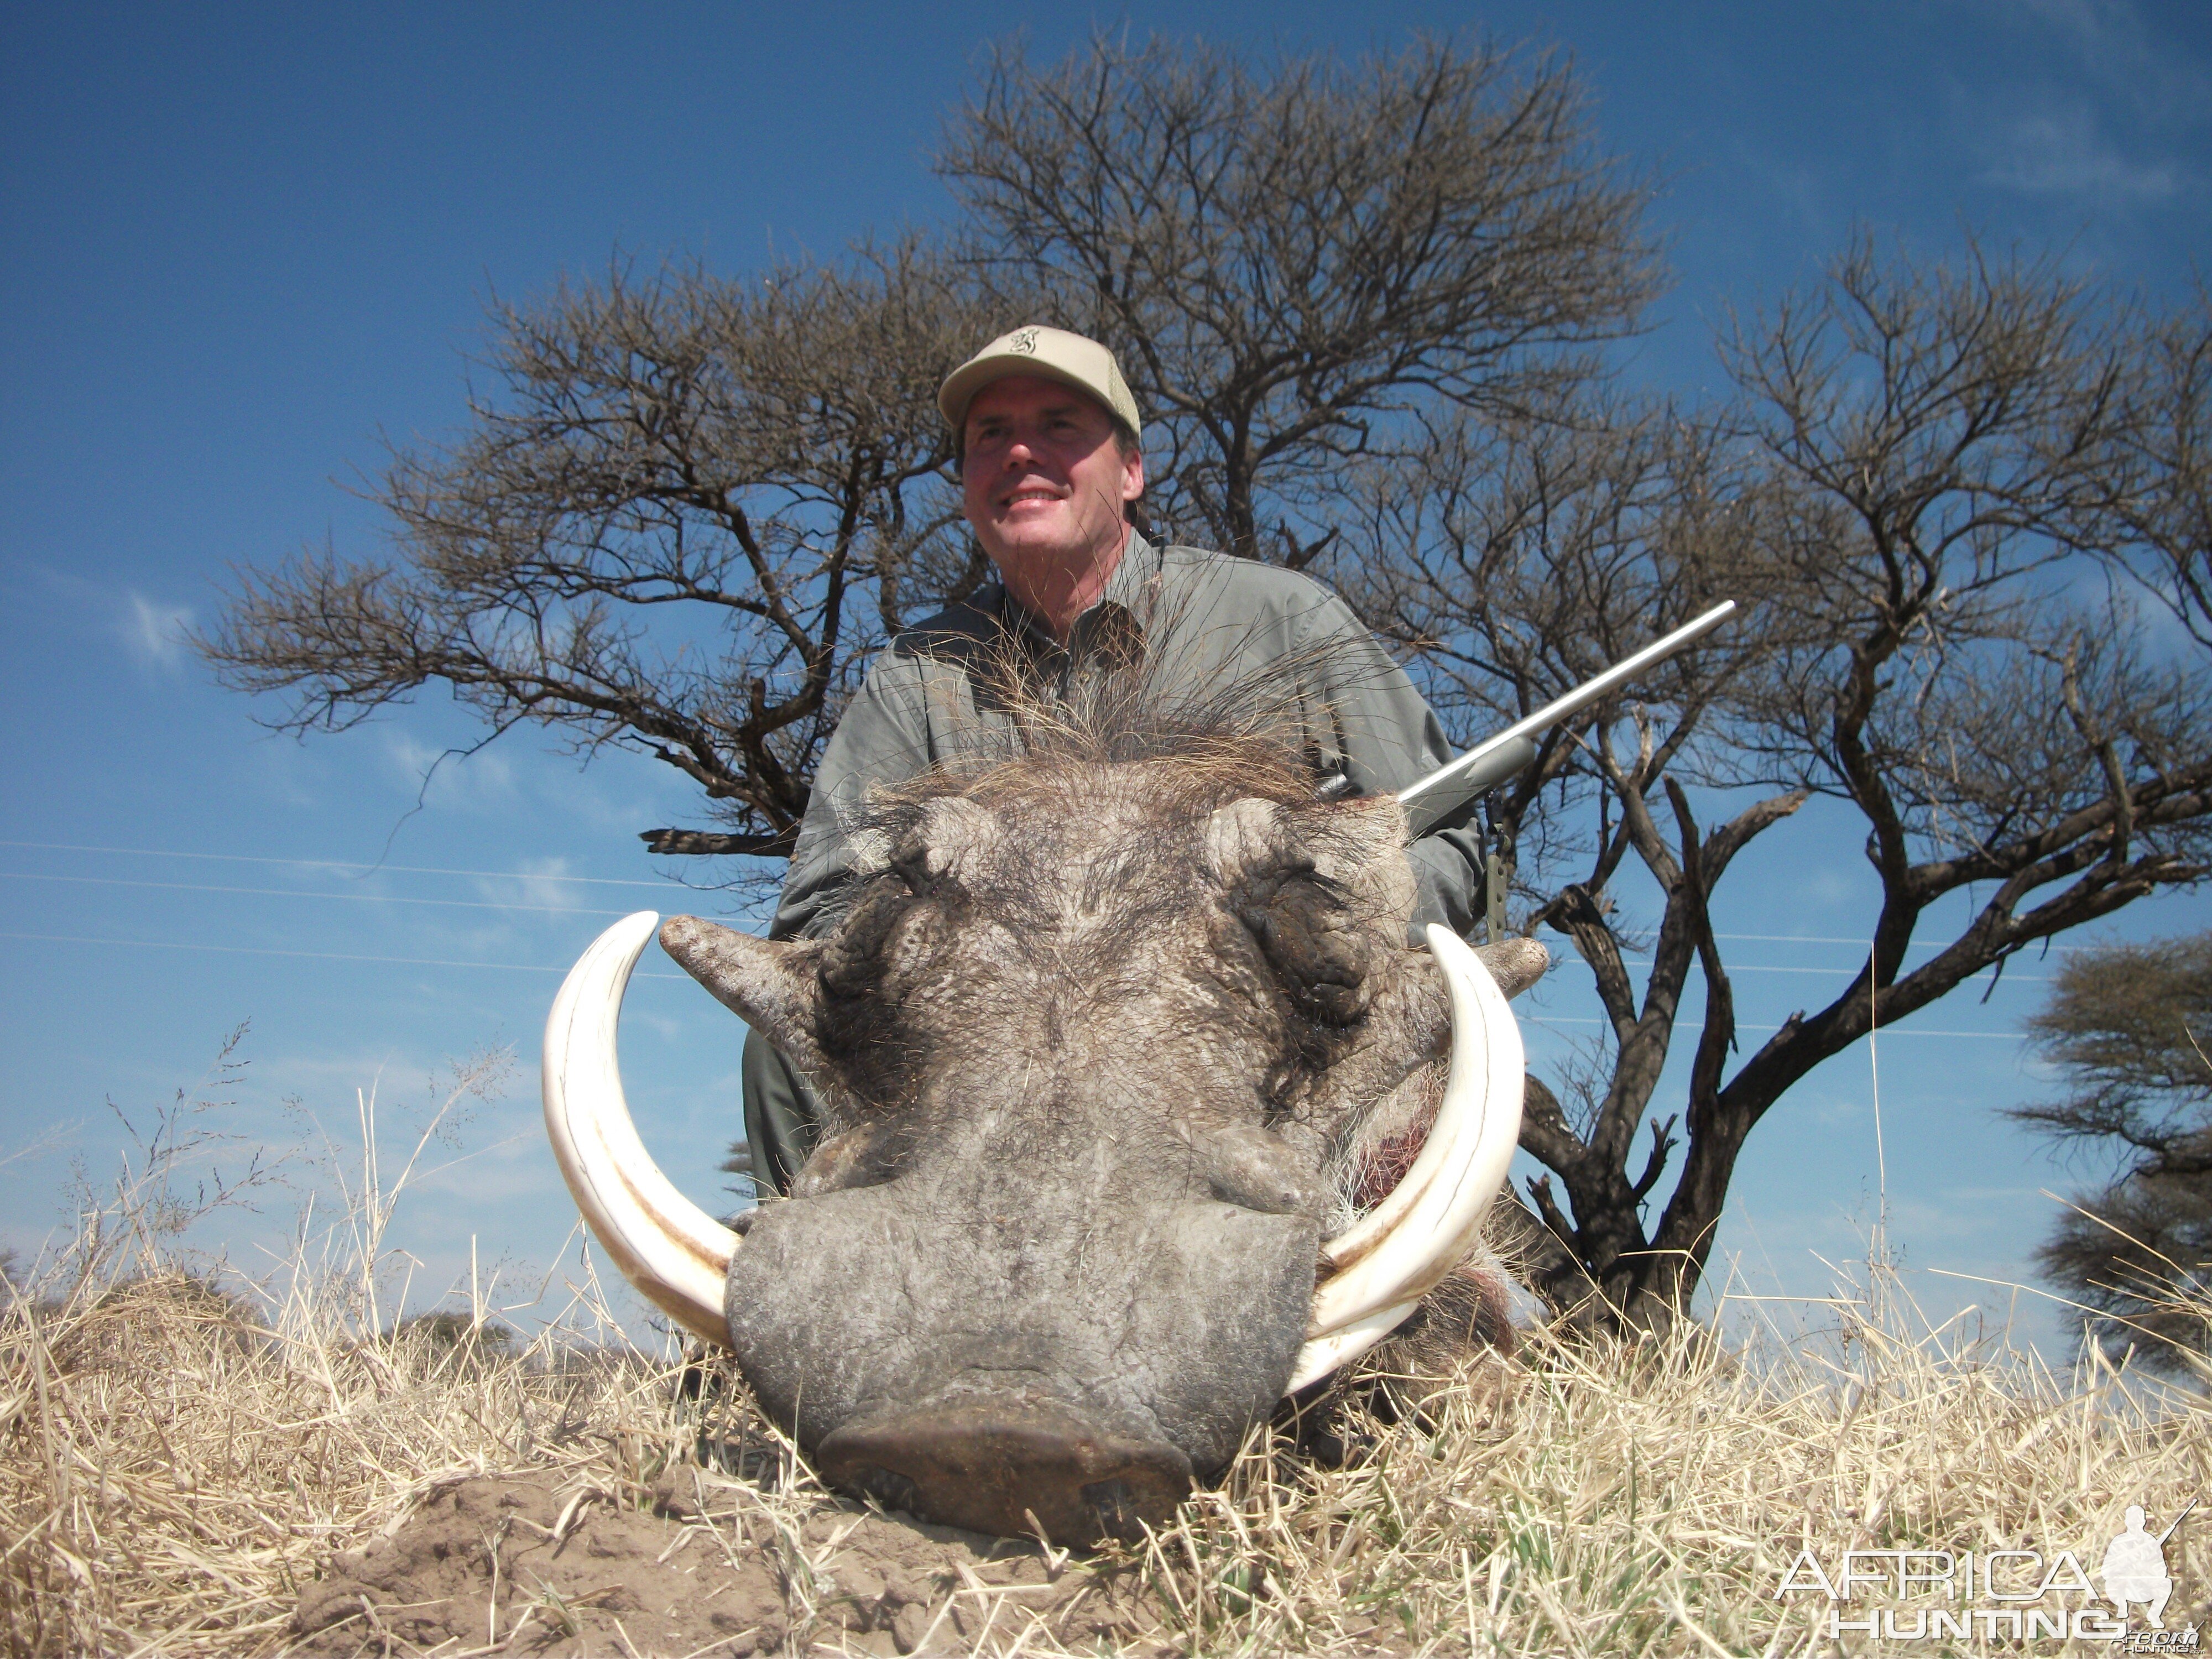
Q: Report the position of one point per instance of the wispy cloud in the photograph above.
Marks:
(2106, 27)
(154, 632)
(541, 884)
(2063, 152)
(2113, 42)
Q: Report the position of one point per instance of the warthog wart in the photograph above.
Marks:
(1127, 1071)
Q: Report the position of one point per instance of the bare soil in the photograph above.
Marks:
(698, 1564)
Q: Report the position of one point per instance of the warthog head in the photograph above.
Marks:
(1101, 1045)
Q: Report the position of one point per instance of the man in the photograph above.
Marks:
(1050, 470)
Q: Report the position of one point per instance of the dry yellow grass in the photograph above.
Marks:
(178, 1461)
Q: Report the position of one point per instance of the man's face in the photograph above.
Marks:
(1043, 481)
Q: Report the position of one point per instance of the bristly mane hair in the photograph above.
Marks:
(1238, 730)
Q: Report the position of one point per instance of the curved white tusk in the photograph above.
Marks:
(1453, 1181)
(1379, 1223)
(1323, 1354)
(675, 1253)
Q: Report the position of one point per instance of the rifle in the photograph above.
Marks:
(1458, 783)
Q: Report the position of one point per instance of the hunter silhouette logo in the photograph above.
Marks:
(2135, 1566)
(1023, 339)
(1938, 1595)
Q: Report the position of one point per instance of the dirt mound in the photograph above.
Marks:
(700, 1564)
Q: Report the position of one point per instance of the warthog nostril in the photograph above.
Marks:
(1115, 1506)
(887, 1486)
(1008, 1465)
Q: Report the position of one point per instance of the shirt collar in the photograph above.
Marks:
(1121, 600)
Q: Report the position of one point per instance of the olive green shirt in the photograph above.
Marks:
(1211, 617)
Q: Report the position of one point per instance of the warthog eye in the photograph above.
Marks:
(860, 956)
(1311, 935)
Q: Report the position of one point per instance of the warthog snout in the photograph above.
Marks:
(1005, 1464)
(976, 1337)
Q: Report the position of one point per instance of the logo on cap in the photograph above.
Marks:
(1023, 339)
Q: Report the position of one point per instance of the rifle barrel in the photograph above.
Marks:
(2177, 1520)
(1436, 796)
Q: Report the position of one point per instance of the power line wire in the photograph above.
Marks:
(1775, 967)
(339, 864)
(666, 883)
(299, 892)
(1818, 939)
(535, 968)
(1886, 1030)
(319, 956)
(581, 911)
(584, 910)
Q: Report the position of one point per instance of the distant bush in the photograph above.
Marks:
(449, 1331)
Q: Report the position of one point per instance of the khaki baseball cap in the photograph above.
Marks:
(1053, 353)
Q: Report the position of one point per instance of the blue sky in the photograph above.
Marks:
(247, 244)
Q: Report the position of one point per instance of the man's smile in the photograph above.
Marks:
(1045, 477)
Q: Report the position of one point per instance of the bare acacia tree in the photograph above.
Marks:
(2130, 1028)
(2172, 553)
(1291, 263)
(1918, 490)
(687, 509)
(1513, 560)
(687, 513)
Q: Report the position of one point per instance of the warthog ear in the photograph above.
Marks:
(1357, 847)
(1245, 836)
(948, 840)
(770, 984)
